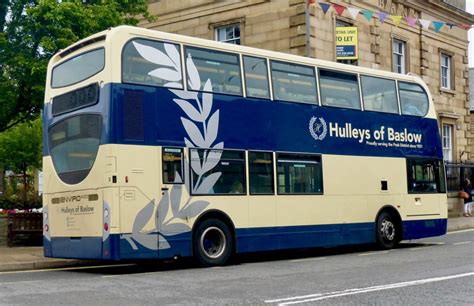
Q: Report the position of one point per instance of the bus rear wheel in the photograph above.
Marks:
(387, 231)
(213, 243)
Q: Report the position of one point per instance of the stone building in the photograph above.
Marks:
(294, 27)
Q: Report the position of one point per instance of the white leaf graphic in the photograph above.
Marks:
(177, 178)
(194, 133)
(163, 207)
(128, 238)
(190, 110)
(173, 53)
(166, 74)
(185, 95)
(208, 183)
(176, 228)
(175, 196)
(212, 160)
(218, 146)
(212, 128)
(207, 99)
(193, 74)
(174, 85)
(193, 209)
(188, 143)
(163, 243)
(142, 218)
(153, 55)
(196, 162)
(148, 241)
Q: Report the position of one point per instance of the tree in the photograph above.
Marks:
(21, 150)
(31, 31)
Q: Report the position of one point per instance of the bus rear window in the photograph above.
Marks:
(78, 68)
(73, 145)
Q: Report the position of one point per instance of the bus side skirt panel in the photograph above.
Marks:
(424, 228)
(294, 237)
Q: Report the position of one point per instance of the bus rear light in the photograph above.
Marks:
(106, 227)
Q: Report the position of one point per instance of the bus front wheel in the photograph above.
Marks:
(213, 243)
(387, 231)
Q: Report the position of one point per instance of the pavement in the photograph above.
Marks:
(31, 258)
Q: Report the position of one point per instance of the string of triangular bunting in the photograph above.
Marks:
(382, 16)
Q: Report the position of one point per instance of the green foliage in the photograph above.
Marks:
(21, 147)
(20, 151)
(31, 31)
(17, 203)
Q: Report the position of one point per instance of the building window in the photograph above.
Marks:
(445, 71)
(448, 142)
(229, 34)
(399, 56)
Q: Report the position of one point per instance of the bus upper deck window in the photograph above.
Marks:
(152, 63)
(78, 68)
(256, 77)
(172, 165)
(379, 95)
(339, 89)
(413, 99)
(293, 82)
(221, 68)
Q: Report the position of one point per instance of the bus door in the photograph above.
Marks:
(425, 184)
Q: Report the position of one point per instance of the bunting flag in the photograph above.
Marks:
(425, 23)
(324, 6)
(339, 9)
(382, 16)
(438, 25)
(354, 12)
(450, 25)
(411, 21)
(367, 14)
(396, 20)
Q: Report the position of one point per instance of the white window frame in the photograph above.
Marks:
(447, 135)
(234, 40)
(399, 56)
(445, 71)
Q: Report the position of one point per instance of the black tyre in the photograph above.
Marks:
(213, 243)
(387, 231)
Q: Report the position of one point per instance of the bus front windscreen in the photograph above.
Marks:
(73, 145)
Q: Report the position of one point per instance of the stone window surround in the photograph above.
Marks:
(449, 138)
(452, 89)
(215, 25)
(407, 51)
(453, 120)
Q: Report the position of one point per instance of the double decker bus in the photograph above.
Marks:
(161, 146)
